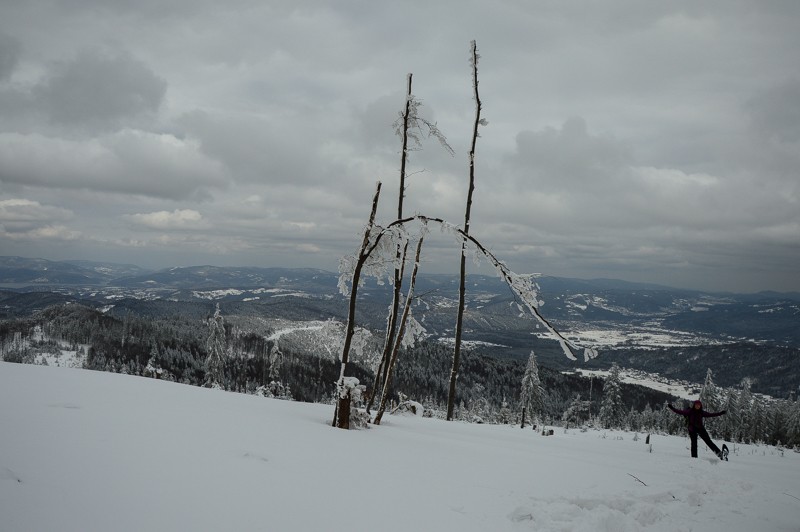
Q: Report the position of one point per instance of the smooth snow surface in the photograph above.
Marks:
(89, 451)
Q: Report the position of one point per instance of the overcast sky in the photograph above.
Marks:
(645, 141)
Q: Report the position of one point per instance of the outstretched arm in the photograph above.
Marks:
(714, 414)
(681, 412)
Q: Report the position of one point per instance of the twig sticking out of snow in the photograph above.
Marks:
(10, 474)
(637, 479)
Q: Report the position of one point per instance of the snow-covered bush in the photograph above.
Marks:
(411, 408)
(276, 390)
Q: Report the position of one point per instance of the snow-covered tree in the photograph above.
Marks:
(711, 397)
(505, 416)
(743, 412)
(758, 420)
(217, 348)
(480, 411)
(275, 363)
(710, 394)
(793, 423)
(648, 418)
(728, 424)
(611, 405)
(577, 411)
(532, 393)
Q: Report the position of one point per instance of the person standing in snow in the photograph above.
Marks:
(694, 421)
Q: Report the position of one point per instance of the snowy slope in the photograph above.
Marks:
(90, 451)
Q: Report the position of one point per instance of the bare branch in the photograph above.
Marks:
(637, 479)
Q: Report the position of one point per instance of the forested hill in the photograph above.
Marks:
(298, 360)
(677, 333)
(176, 349)
(631, 310)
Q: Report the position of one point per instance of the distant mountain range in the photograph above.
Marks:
(41, 272)
(641, 325)
(587, 306)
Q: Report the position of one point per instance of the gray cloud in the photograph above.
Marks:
(9, 55)
(100, 89)
(625, 139)
(25, 215)
(127, 162)
(30, 221)
(775, 111)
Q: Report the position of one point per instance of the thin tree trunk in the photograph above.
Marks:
(451, 396)
(399, 339)
(391, 325)
(380, 375)
(341, 416)
(404, 154)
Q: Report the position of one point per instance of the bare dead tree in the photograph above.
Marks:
(400, 334)
(392, 243)
(451, 395)
(523, 287)
(341, 417)
(391, 321)
(409, 126)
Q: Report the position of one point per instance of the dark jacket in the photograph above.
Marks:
(694, 416)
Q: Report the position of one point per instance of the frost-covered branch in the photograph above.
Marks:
(523, 286)
(417, 126)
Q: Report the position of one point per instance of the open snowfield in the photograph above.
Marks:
(89, 451)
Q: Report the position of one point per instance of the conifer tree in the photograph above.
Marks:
(731, 421)
(648, 418)
(758, 420)
(532, 394)
(711, 398)
(710, 394)
(610, 407)
(744, 405)
(216, 346)
(793, 424)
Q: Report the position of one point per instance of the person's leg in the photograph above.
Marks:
(693, 438)
(706, 438)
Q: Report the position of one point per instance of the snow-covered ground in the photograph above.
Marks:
(83, 450)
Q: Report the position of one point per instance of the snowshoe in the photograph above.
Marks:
(723, 455)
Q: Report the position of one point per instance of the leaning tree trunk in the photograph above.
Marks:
(391, 322)
(451, 396)
(341, 418)
(399, 339)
